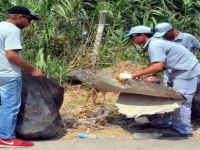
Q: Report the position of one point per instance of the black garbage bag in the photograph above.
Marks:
(39, 113)
(196, 103)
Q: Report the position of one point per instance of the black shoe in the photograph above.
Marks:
(174, 133)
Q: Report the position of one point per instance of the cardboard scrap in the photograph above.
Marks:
(133, 105)
(108, 83)
(137, 97)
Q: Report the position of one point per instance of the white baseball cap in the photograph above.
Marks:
(162, 28)
(138, 29)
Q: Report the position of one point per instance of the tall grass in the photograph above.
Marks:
(63, 39)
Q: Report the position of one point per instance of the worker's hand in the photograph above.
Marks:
(37, 73)
(153, 79)
(135, 75)
(123, 77)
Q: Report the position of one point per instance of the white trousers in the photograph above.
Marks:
(180, 119)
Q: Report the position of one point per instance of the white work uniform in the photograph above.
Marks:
(185, 73)
(188, 41)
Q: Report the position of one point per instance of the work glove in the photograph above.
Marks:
(123, 77)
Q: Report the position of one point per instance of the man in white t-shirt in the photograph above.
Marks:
(10, 73)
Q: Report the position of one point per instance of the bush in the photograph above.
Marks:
(68, 28)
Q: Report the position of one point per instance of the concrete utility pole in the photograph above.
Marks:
(102, 22)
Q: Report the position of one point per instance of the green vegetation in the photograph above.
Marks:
(63, 39)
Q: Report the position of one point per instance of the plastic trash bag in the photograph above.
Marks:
(196, 103)
(39, 113)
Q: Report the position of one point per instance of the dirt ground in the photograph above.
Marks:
(81, 102)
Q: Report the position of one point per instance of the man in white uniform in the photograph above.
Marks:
(185, 73)
(165, 30)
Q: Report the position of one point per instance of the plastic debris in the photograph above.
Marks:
(85, 135)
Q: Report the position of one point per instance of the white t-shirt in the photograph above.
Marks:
(10, 39)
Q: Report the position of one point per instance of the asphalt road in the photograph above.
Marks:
(192, 143)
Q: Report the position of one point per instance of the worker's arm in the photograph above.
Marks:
(151, 69)
(16, 59)
(196, 44)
